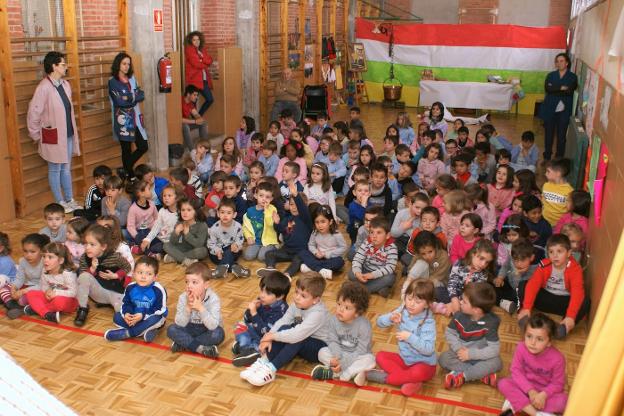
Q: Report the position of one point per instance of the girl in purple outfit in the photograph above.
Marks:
(537, 381)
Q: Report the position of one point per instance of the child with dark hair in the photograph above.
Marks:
(536, 385)
(539, 229)
(485, 162)
(462, 138)
(268, 158)
(513, 229)
(76, 228)
(503, 157)
(349, 340)
(203, 159)
(187, 243)
(444, 184)
(157, 183)
(28, 273)
(375, 261)
(116, 203)
(469, 233)
(556, 287)
(179, 179)
(460, 165)
(431, 166)
(225, 242)
(254, 150)
(500, 190)
(141, 215)
(163, 227)
(259, 317)
(336, 167)
(232, 186)
(293, 153)
(579, 203)
(370, 213)
(95, 193)
(430, 261)
(258, 224)
(216, 193)
(55, 228)
(478, 197)
(525, 154)
(326, 246)
(472, 337)
(194, 181)
(245, 132)
(274, 135)
(380, 193)
(556, 190)
(517, 268)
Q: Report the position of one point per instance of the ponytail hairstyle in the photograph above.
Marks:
(61, 251)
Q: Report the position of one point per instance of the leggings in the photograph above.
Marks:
(400, 373)
(38, 302)
(128, 157)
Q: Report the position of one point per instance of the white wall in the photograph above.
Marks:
(524, 12)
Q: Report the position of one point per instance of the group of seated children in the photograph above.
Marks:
(468, 229)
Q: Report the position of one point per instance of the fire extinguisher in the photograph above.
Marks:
(164, 73)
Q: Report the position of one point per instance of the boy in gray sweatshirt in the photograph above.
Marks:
(348, 350)
(225, 241)
(198, 325)
(301, 331)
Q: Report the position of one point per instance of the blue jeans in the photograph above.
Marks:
(191, 336)
(59, 176)
(375, 285)
(246, 340)
(282, 353)
(293, 106)
(208, 99)
(228, 257)
(316, 264)
(154, 321)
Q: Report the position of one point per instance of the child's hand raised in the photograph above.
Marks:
(403, 335)
(253, 306)
(197, 304)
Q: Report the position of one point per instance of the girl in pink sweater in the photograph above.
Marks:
(469, 233)
(578, 212)
(501, 191)
(444, 184)
(454, 209)
(431, 166)
(141, 215)
(478, 198)
(538, 376)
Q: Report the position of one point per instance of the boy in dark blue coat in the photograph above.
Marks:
(295, 229)
(262, 313)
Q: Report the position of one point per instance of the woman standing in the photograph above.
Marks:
(196, 65)
(128, 127)
(52, 125)
(557, 106)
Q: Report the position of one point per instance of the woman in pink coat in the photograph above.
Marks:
(52, 125)
(196, 67)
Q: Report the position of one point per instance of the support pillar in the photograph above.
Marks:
(248, 37)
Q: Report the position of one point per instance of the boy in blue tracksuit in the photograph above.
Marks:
(266, 309)
(144, 306)
(295, 230)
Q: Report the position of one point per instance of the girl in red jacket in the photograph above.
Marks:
(556, 287)
(196, 67)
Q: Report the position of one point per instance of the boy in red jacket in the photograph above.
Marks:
(556, 287)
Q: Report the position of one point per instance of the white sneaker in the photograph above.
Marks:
(507, 406)
(326, 273)
(168, 259)
(68, 209)
(508, 306)
(187, 262)
(360, 378)
(263, 375)
(305, 269)
(73, 204)
(251, 369)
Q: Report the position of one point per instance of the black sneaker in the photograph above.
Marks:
(210, 351)
(81, 316)
(235, 348)
(121, 172)
(219, 272)
(240, 271)
(15, 313)
(247, 356)
(53, 317)
(320, 372)
(28, 310)
(176, 347)
(561, 332)
(103, 305)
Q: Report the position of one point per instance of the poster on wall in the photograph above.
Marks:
(593, 164)
(604, 107)
(582, 91)
(600, 182)
(592, 94)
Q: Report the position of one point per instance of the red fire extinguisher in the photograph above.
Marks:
(164, 73)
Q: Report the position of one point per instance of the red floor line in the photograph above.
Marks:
(284, 372)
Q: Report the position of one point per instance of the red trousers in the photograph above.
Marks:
(39, 303)
(400, 373)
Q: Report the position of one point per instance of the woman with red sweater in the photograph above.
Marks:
(196, 65)
(556, 287)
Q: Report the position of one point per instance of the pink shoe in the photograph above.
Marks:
(136, 250)
(439, 308)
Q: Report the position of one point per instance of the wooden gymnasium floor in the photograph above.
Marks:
(96, 377)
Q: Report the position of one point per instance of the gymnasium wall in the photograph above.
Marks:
(596, 32)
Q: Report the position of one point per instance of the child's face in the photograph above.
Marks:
(31, 253)
(267, 153)
(333, 157)
(288, 174)
(367, 220)
(462, 135)
(415, 305)
(361, 191)
(144, 274)
(324, 146)
(200, 150)
(196, 286)
(322, 224)
(559, 255)
(346, 311)
(503, 161)
(481, 260)
(439, 137)
(149, 178)
(481, 138)
(52, 263)
(460, 168)
(378, 236)
(273, 130)
(403, 157)
(226, 215)
(404, 171)
(230, 190)
(354, 154)
(534, 215)
(536, 340)
(467, 230)
(99, 181)
(295, 136)
(422, 129)
(417, 207)
(255, 173)
(480, 156)
(354, 135)
(435, 111)
(55, 220)
(365, 158)
(145, 193)
(266, 298)
(243, 125)
(113, 192)
(228, 146)
(552, 175)
(522, 265)
(388, 146)
(512, 236)
(291, 153)
(526, 145)
(501, 176)
(379, 179)
(427, 253)
(354, 115)
(467, 308)
(440, 190)
(217, 186)
(93, 248)
(292, 207)
(426, 141)
(451, 149)
(256, 144)
(516, 206)
(575, 240)
(457, 124)
(392, 132)
(321, 121)
(304, 299)
(226, 168)
(316, 175)
(71, 234)
(263, 197)
(428, 222)
(187, 212)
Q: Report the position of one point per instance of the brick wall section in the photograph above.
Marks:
(218, 23)
(477, 11)
(560, 13)
(15, 18)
